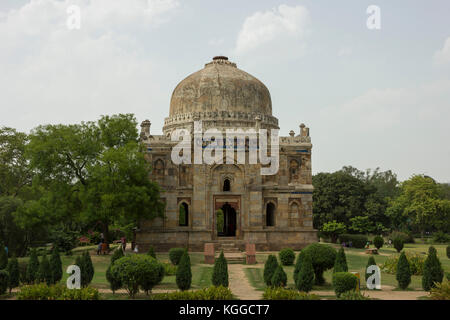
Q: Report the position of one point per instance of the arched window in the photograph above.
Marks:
(183, 218)
(270, 214)
(226, 185)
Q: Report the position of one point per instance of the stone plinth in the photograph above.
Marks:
(209, 253)
(250, 253)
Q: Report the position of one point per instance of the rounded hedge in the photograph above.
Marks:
(175, 255)
(322, 257)
(287, 256)
(378, 242)
(358, 240)
(343, 282)
(138, 271)
(398, 244)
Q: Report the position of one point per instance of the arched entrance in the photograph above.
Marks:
(229, 221)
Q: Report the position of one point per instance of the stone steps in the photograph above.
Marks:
(231, 252)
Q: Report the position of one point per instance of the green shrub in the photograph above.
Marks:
(149, 282)
(184, 273)
(14, 273)
(403, 275)
(370, 262)
(448, 251)
(42, 291)
(4, 279)
(279, 293)
(114, 279)
(32, 267)
(65, 240)
(333, 229)
(406, 237)
(211, 293)
(378, 242)
(305, 277)
(269, 269)
(441, 291)
(340, 263)
(416, 263)
(279, 278)
(137, 271)
(432, 270)
(117, 254)
(398, 244)
(440, 237)
(220, 272)
(55, 266)
(358, 240)
(151, 251)
(3, 256)
(447, 275)
(344, 281)
(287, 256)
(322, 257)
(175, 255)
(353, 295)
(44, 273)
(169, 269)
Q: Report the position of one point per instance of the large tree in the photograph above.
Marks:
(356, 198)
(93, 172)
(420, 205)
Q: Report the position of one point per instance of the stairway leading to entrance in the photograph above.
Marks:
(230, 251)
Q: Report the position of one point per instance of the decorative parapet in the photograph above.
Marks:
(218, 118)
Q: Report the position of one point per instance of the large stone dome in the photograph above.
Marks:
(220, 95)
(220, 86)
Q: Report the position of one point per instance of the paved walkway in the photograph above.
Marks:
(239, 284)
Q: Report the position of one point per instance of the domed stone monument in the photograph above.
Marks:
(225, 203)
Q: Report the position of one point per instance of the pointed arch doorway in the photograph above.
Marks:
(227, 221)
(226, 216)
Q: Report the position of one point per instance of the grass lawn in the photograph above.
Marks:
(357, 261)
(201, 274)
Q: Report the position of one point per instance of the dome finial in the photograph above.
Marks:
(220, 58)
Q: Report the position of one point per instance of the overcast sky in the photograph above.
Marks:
(372, 98)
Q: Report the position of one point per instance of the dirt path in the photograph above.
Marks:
(239, 284)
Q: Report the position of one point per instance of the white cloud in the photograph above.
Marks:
(442, 56)
(51, 74)
(284, 23)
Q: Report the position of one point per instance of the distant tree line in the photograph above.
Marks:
(374, 201)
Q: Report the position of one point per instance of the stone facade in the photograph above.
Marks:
(272, 212)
